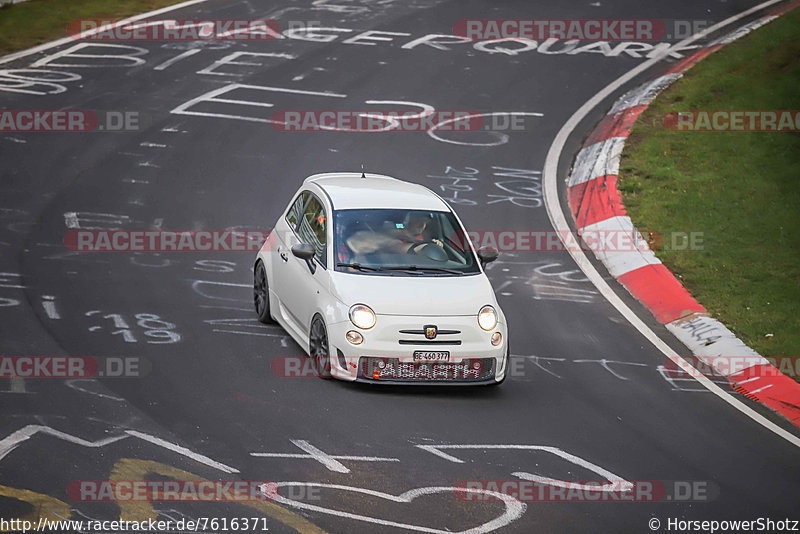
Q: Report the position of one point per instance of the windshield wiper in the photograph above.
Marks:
(418, 268)
(409, 269)
(359, 266)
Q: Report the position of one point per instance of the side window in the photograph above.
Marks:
(296, 211)
(313, 227)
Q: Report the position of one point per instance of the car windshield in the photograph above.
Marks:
(401, 243)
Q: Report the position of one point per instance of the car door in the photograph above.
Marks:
(285, 230)
(302, 289)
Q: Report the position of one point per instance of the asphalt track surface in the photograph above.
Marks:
(584, 382)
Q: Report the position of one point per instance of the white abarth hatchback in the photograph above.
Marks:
(375, 278)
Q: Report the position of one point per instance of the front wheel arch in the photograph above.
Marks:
(319, 348)
(261, 292)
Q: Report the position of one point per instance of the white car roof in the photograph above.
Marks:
(348, 190)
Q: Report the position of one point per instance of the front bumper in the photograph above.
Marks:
(394, 371)
(387, 353)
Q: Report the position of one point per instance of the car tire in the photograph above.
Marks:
(261, 293)
(318, 347)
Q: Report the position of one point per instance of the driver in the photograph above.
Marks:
(413, 230)
(397, 240)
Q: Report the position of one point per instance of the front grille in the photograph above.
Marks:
(429, 341)
(392, 369)
(426, 341)
(439, 332)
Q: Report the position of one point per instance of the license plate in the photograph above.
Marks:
(432, 355)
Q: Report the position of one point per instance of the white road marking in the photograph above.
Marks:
(615, 483)
(196, 287)
(21, 81)
(536, 359)
(13, 440)
(320, 456)
(132, 57)
(11, 280)
(211, 96)
(674, 381)
(749, 380)
(559, 222)
(513, 508)
(72, 384)
(501, 137)
(433, 449)
(50, 307)
(17, 386)
(331, 462)
(226, 308)
(182, 451)
(239, 323)
(99, 221)
(248, 333)
(71, 220)
(392, 122)
(172, 61)
(229, 60)
(604, 364)
(567, 294)
(761, 389)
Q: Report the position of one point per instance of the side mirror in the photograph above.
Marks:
(487, 255)
(306, 252)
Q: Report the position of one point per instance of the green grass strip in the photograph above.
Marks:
(34, 22)
(740, 189)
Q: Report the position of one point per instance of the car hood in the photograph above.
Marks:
(414, 295)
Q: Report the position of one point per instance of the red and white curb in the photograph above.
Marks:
(596, 205)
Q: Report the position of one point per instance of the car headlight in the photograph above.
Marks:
(487, 318)
(362, 316)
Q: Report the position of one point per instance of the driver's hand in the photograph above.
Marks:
(438, 242)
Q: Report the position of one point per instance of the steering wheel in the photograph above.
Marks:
(413, 248)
